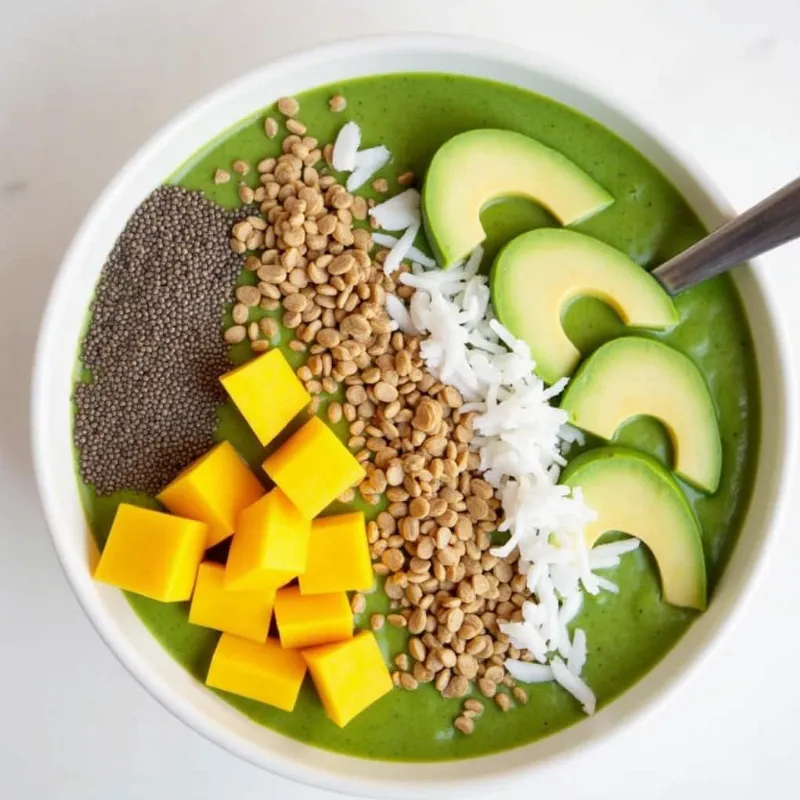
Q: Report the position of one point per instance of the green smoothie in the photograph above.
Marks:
(627, 633)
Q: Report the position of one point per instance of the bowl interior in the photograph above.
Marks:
(108, 609)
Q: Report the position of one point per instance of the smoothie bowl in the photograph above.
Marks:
(344, 379)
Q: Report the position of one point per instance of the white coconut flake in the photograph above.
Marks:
(473, 262)
(419, 258)
(415, 255)
(607, 585)
(618, 548)
(367, 163)
(399, 212)
(599, 561)
(570, 608)
(380, 154)
(574, 685)
(400, 250)
(526, 672)
(345, 148)
(526, 636)
(606, 556)
(577, 656)
(513, 344)
(572, 435)
(397, 310)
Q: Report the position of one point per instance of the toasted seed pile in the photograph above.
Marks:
(432, 542)
(152, 344)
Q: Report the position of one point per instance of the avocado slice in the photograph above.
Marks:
(473, 168)
(536, 274)
(632, 377)
(632, 493)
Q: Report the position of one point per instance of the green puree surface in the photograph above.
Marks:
(627, 633)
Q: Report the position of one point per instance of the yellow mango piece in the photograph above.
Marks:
(338, 556)
(152, 554)
(313, 468)
(270, 545)
(213, 490)
(267, 393)
(308, 620)
(262, 671)
(349, 676)
(245, 614)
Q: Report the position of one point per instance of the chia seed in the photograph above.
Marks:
(153, 344)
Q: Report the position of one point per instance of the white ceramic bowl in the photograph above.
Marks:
(107, 608)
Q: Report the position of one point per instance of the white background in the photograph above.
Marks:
(80, 90)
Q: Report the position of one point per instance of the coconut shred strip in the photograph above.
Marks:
(361, 164)
(521, 439)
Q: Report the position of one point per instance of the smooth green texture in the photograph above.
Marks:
(481, 166)
(632, 493)
(634, 376)
(627, 633)
(535, 275)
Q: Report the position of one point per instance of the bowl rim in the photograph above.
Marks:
(680, 165)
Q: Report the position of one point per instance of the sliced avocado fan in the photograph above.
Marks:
(633, 494)
(632, 377)
(473, 168)
(536, 275)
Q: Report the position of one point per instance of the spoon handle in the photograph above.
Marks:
(772, 222)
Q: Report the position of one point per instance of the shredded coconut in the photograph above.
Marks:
(529, 673)
(366, 164)
(415, 255)
(397, 310)
(361, 164)
(399, 212)
(522, 440)
(346, 146)
(400, 250)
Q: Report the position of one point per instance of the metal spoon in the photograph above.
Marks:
(772, 222)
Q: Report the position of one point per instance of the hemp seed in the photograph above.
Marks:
(288, 106)
(337, 103)
(464, 724)
(270, 128)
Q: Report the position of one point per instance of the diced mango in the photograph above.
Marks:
(245, 614)
(313, 468)
(262, 671)
(153, 554)
(213, 490)
(349, 676)
(270, 545)
(267, 393)
(338, 556)
(308, 620)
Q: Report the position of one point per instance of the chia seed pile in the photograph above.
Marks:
(152, 344)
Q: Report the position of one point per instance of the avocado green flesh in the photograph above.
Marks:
(633, 377)
(634, 494)
(537, 274)
(473, 169)
(629, 632)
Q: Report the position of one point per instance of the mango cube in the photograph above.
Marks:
(152, 554)
(262, 671)
(308, 620)
(349, 676)
(213, 490)
(267, 393)
(245, 614)
(338, 556)
(270, 545)
(313, 468)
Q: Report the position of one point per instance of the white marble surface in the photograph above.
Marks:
(81, 89)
